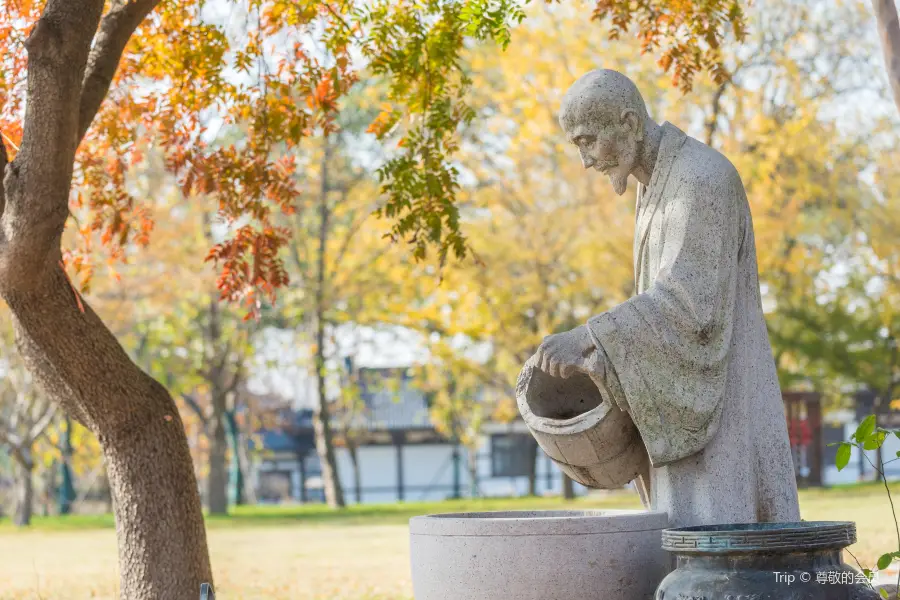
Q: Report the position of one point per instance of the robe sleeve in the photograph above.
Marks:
(664, 353)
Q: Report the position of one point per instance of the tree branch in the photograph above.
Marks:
(195, 406)
(116, 29)
(10, 439)
(38, 428)
(38, 181)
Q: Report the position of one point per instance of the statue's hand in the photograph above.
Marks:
(564, 354)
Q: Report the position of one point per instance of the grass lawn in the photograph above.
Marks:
(311, 553)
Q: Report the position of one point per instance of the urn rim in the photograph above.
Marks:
(735, 538)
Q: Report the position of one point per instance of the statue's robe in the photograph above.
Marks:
(689, 358)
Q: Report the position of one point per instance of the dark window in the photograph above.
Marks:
(510, 454)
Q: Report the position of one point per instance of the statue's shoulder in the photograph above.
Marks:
(703, 168)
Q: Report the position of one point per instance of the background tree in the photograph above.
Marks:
(341, 269)
(25, 415)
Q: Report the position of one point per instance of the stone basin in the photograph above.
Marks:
(538, 555)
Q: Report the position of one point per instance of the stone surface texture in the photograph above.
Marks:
(542, 555)
(687, 357)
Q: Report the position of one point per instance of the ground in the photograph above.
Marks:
(309, 553)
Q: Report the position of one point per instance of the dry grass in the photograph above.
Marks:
(322, 560)
(310, 562)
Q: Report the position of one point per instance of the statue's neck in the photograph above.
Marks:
(649, 150)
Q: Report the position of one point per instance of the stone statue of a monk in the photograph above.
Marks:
(688, 357)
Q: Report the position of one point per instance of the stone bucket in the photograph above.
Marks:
(592, 440)
(540, 555)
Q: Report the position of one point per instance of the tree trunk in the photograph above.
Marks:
(235, 472)
(568, 487)
(66, 490)
(334, 495)
(472, 460)
(354, 460)
(24, 491)
(248, 492)
(159, 522)
(217, 480)
(889, 31)
(532, 468)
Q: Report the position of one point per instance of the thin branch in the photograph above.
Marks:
(116, 28)
(195, 407)
(10, 438)
(887, 489)
(343, 22)
(40, 426)
(235, 379)
(712, 124)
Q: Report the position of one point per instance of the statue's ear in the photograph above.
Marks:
(630, 121)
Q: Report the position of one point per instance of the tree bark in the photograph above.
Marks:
(24, 491)
(159, 523)
(889, 31)
(334, 494)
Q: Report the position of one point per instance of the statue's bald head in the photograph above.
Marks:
(601, 97)
(604, 115)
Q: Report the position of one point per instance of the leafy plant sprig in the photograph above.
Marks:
(869, 436)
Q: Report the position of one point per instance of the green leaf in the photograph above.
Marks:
(883, 593)
(867, 573)
(875, 441)
(843, 456)
(865, 429)
(884, 561)
(897, 433)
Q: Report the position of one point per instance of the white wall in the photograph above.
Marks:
(428, 474)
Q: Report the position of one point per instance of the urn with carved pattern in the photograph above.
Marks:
(763, 561)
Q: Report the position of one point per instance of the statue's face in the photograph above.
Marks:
(611, 149)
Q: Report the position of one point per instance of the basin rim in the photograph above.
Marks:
(538, 523)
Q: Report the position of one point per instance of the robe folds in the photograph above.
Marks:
(688, 357)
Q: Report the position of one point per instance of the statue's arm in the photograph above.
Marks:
(664, 351)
